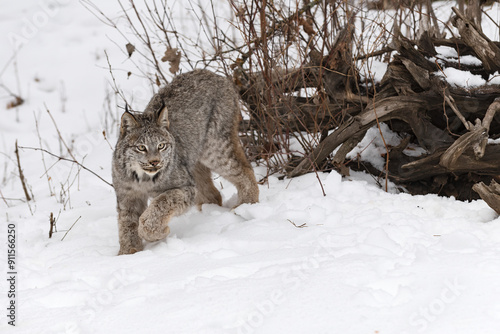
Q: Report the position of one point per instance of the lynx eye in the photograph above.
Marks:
(162, 146)
(141, 148)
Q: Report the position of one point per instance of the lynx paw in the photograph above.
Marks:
(154, 234)
(152, 227)
(130, 244)
(130, 250)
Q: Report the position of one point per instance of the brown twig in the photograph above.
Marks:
(255, 43)
(66, 159)
(297, 226)
(106, 139)
(4, 199)
(146, 40)
(115, 86)
(451, 102)
(65, 234)
(21, 175)
(59, 134)
(52, 222)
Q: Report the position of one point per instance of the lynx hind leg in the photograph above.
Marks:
(206, 192)
(227, 158)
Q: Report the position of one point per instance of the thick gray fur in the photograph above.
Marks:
(167, 153)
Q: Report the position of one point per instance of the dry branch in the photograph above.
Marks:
(299, 80)
(71, 227)
(485, 50)
(393, 107)
(21, 175)
(443, 119)
(256, 43)
(52, 222)
(69, 160)
(490, 194)
(477, 138)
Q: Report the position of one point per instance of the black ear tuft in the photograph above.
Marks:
(128, 122)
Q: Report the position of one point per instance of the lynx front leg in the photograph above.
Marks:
(129, 211)
(153, 223)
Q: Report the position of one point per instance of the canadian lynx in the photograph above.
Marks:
(167, 153)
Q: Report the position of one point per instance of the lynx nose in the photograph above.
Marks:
(154, 162)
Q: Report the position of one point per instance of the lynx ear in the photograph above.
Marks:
(163, 118)
(128, 122)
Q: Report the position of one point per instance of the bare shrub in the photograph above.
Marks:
(309, 74)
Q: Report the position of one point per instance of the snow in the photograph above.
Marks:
(355, 260)
(494, 79)
(446, 52)
(372, 147)
(451, 55)
(456, 77)
(461, 78)
(372, 69)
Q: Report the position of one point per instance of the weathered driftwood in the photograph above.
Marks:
(451, 123)
(430, 166)
(473, 36)
(477, 138)
(404, 108)
(338, 64)
(490, 194)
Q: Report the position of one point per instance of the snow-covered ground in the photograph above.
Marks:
(357, 260)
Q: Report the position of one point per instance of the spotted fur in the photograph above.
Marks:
(167, 153)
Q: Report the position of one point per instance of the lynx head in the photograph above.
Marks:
(148, 146)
